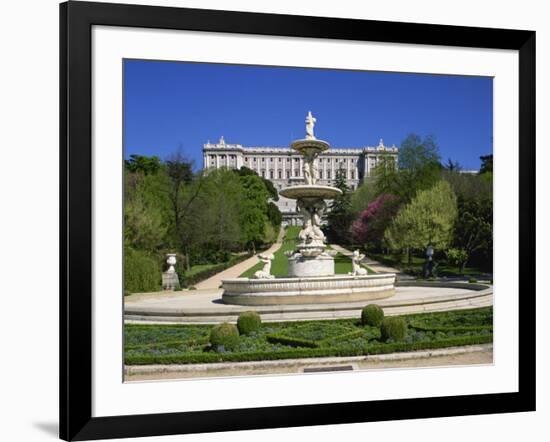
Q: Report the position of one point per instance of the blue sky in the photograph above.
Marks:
(171, 106)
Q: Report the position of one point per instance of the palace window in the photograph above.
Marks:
(320, 174)
(271, 174)
(288, 173)
(328, 174)
(280, 174)
(263, 173)
(263, 160)
(297, 172)
(353, 174)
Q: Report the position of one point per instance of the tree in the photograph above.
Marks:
(363, 195)
(452, 166)
(418, 168)
(339, 216)
(486, 164)
(457, 257)
(474, 229)
(253, 215)
(370, 225)
(144, 225)
(180, 175)
(427, 220)
(144, 164)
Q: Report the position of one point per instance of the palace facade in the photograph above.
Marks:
(284, 167)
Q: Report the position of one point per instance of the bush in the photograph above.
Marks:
(186, 280)
(393, 328)
(142, 272)
(248, 322)
(472, 280)
(372, 315)
(224, 336)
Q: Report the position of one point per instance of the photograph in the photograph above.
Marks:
(283, 220)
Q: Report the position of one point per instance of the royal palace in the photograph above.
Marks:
(284, 166)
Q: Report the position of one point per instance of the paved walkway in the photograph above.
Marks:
(378, 267)
(205, 306)
(215, 281)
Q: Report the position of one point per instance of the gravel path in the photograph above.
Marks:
(234, 272)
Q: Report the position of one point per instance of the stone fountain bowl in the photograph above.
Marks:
(310, 146)
(310, 191)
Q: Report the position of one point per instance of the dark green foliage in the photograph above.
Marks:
(142, 272)
(372, 315)
(143, 164)
(248, 322)
(339, 217)
(291, 341)
(189, 280)
(274, 214)
(302, 352)
(224, 335)
(393, 328)
(472, 280)
(167, 344)
(486, 164)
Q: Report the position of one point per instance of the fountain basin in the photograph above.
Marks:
(308, 290)
(310, 191)
(310, 146)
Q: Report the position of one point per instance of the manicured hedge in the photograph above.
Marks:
(461, 329)
(393, 328)
(372, 315)
(248, 322)
(142, 272)
(187, 281)
(370, 349)
(291, 341)
(224, 335)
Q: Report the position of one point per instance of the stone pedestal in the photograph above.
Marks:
(300, 266)
(170, 281)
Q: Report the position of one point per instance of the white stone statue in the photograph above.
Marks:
(310, 123)
(171, 261)
(310, 169)
(356, 259)
(265, 273)
(311, 213)
(170, 280)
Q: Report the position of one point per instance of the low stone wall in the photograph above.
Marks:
(314, 290)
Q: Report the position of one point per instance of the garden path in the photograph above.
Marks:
(215, 281)
(378, 267)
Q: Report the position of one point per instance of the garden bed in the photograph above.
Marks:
(188, 344)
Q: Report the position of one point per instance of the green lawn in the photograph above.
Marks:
(443, 268)
(279, 265)
(185, 344)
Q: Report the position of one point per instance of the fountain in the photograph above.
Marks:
(311, 276)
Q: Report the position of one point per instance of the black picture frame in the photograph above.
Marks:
(76, 21)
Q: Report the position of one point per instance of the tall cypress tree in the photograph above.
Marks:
(339, 217)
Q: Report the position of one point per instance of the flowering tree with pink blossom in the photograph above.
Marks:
(370, 224)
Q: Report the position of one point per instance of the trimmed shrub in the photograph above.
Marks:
(372, 315)
(224, 337)
(142, 272)
(472, 280)
(248, 322)
(393, 328)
